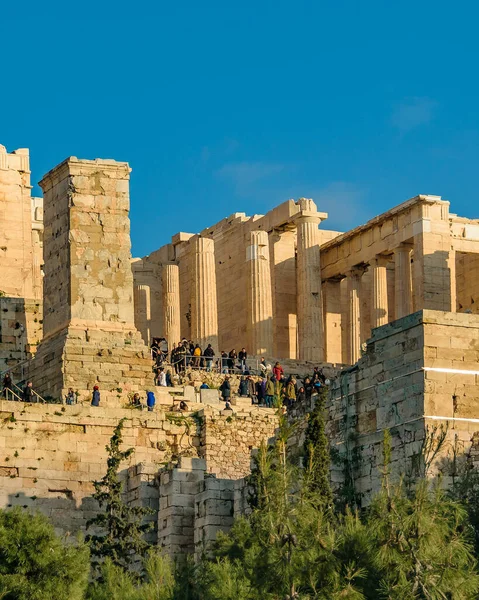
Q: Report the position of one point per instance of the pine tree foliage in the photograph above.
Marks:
(35, 564)
(121, 527)
(317, 460)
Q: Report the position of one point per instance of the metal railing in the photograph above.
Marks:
(215, 364)
(16, 393)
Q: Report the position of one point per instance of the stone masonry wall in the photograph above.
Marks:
(20, 331)
(50, 454)
(418, 373)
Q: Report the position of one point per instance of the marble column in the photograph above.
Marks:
(204, 307)
(308, 269)
(143, 310)
(260, 301)
(402, 281)
(354, 321)
(170, 287)
(379, 300)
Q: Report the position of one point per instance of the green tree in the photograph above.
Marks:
(317, 460)
(35, 564)
(121, 527)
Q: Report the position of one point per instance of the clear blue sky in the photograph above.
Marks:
(223, 107)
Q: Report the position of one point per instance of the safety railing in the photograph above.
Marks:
(215, 364)
(17, 393)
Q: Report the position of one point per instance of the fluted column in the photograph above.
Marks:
(403, 281)
(142, 305)
(379, 300)
(354, 321)
(260, 301)
(204, 309)
(310, 330)
(170, 286)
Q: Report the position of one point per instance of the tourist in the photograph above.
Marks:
(7, 385)
(70, 398)
(308, 388)
(290, 392)
(269, 393)
(263, 367)
(183, 405)
(243, 387)
(136, 400)
(204, 386)
(225, 389)
(278, 371)
(231, 360)
(224, 362)
(95, 399)
(163, 347)
(251, 389)
(197, 356)
(209, 353)
(260, 387)
(181, 353)
(150, 401)
(242, 356)
(28, 395)
(301, 396)
(228, 406)
(162, 377)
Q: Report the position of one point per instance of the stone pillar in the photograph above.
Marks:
(308, 269)
(88, 324)
(379, 300)
(204, 309)
(354, 321)
(170, 277)
(332, 314)
(142, 297)
(260, 302)
(402, 281)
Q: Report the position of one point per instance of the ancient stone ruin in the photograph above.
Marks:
(390, 309)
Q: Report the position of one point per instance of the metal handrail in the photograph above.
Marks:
(219, 363)
(15, 367)
(14, 396)
(20, 393)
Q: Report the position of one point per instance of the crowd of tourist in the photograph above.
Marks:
(266, 385)
(275, 388)
(188, 354)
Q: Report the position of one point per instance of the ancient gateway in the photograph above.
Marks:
(390, 307)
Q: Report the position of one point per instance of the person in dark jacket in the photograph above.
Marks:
(95, 398)
(7, 384)
(28, 395)
(242, 356)
(209, 353)
(308, 388)
(225, 389)
(150, 401)
(243, 387)
(231, 360)
(260, 386)
(301, 395)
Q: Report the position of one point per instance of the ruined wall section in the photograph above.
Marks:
(418, 373)
(50, 454)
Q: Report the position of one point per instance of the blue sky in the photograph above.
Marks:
(223, 107)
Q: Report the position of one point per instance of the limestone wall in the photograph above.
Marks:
(20, 331)
(50, 454)
(418, 373)
(17, 274)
